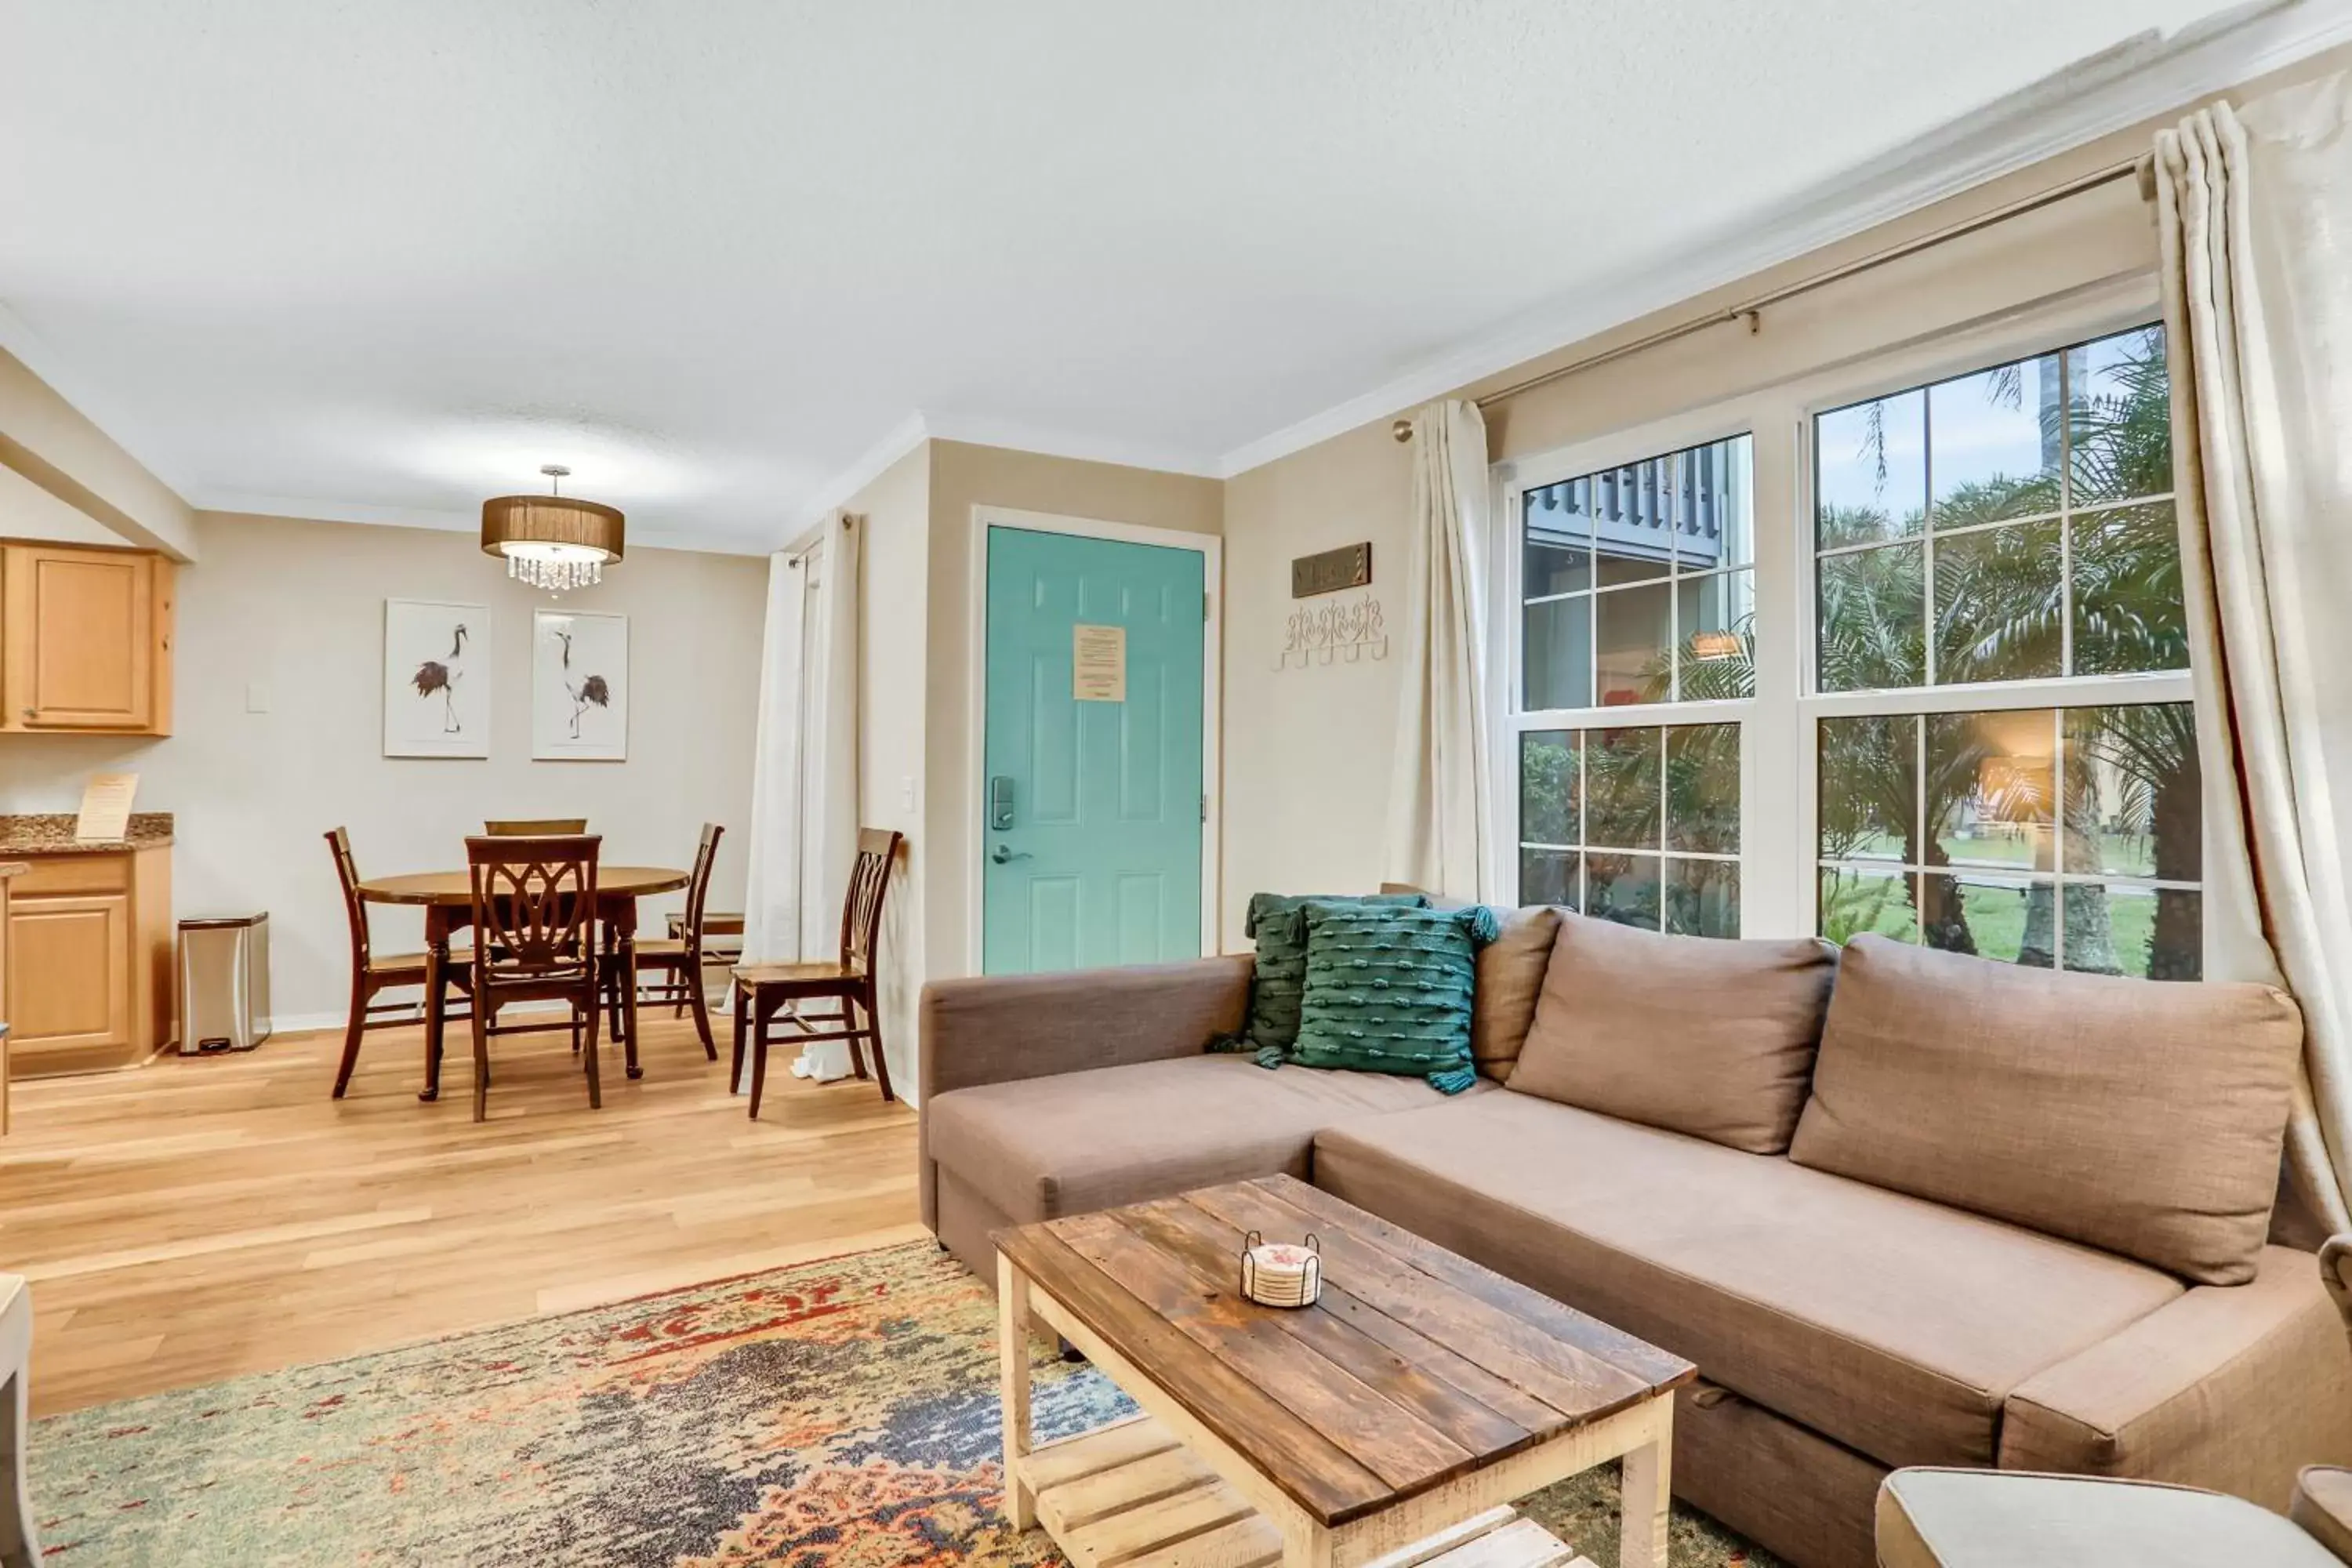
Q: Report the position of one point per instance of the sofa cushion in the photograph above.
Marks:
(2140, 1116)
(1893, 1325)
(1694, 1034)
(1978, 1518)
(1510, 978)
(1084, 1140)
(1388, 991)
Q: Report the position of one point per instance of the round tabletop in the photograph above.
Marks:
(457, 887)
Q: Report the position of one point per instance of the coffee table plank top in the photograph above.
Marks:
(1416, 1367)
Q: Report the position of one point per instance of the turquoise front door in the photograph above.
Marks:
(1092, 795)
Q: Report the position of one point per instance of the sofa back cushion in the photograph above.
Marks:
(1692, 1034)
(2143, 1117)
(1510, 979)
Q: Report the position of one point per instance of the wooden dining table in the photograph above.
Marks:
(448, 899)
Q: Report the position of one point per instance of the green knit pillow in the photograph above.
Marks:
(1279, 981)
(1388, 990)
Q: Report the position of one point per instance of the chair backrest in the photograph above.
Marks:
(347, 872)
(697, 885)
(861, 911)
(535, 826)
(534, 904)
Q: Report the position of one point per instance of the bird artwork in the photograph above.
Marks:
(442, 676)
(585, 691)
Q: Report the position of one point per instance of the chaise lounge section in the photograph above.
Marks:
(1843, 1328)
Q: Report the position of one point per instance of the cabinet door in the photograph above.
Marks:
(68, 974)
(80, 653)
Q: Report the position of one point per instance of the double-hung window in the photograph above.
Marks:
(1928, 680)
(1634, 635)
(1996, 582)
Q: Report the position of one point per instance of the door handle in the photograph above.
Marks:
(1003, 855)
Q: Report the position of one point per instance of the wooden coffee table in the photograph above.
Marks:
(1394, 1420)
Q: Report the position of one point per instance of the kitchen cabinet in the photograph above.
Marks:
(88, 960)
(85, 638)
(9, 871)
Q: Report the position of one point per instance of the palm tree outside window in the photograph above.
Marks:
(2015, 524)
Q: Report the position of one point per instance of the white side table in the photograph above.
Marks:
(20, 1544)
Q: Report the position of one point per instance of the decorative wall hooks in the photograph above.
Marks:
(1350, 630)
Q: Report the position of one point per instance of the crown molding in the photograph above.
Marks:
(2142, 79)
(305, 509)
(895, 443)
(979, 430)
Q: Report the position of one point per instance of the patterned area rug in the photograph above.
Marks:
(834, 1414)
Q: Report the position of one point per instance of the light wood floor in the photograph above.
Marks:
(197, 1219)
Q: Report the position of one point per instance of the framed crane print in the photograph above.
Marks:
(436, 678)
(579, 687)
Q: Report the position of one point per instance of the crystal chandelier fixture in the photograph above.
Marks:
(553, 541)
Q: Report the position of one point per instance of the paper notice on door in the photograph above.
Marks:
(106, 808)
(1098, 663)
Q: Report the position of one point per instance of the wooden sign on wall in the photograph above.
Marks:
(1328, 571)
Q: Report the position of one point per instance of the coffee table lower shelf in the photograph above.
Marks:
(1131, 1496)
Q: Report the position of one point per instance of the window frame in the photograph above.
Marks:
(1780, 741)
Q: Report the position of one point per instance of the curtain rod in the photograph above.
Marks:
(2141, 169)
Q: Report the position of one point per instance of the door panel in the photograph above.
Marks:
(1101, 861)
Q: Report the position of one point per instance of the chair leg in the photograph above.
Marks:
(742, 1008)
(481, 1064)
(595, 1088)
(759, 1058)
(695, 999)
(351, 1032)
(874, 1035)
(849, 1027)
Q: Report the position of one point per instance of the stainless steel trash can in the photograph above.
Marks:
(224, 983)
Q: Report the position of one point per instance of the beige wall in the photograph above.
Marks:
(295, 609)
(29, 511)
(895, 554)
(962, 477)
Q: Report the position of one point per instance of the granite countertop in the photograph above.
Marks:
(52, 832)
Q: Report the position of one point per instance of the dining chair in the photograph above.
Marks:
(534, 939)
(761, 990)
(372, 974)
(535, 826)
(678, 959)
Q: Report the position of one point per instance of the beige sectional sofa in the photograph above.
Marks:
(1842, 1327)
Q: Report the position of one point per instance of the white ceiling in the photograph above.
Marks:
(356, 258)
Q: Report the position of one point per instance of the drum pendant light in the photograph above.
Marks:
(553, 542)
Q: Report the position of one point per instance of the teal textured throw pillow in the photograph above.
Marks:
(1278, 921)
(1390, 990)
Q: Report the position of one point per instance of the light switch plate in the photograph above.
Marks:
(906, 791)
(256, 697)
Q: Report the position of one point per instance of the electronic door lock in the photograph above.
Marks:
(1000, 802)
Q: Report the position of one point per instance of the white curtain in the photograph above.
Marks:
(2254, 221)
(805, 774)
(1438, 834)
